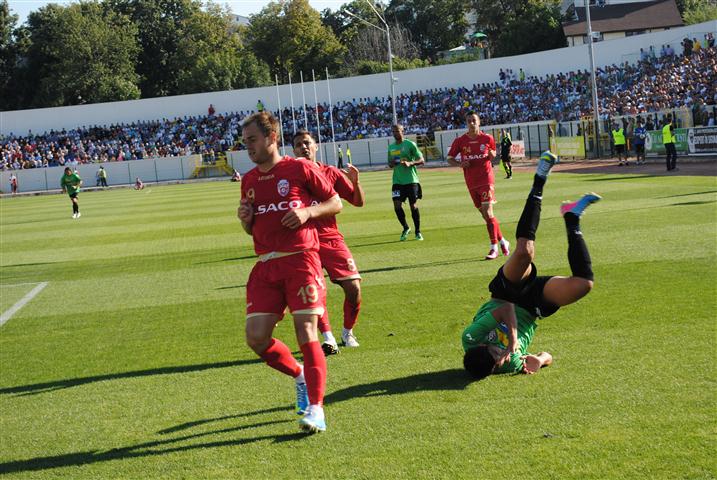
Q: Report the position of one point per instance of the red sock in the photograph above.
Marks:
(314, 372)
(278, 356)
(351, 312)
(323, 323)
(498, 233)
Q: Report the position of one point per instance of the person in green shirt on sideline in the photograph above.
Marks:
(498, 339)
(71, 183)
(403, 156)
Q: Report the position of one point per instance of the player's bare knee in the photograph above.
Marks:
(352, 290)
(525, 250)
(256, 341)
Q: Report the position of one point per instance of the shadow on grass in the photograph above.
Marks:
(420, 265)
(29, 264)
(145, 449)
(703, 202)
(450, 379)
(689, 194)
(231, 287)
(46, 387)
(618, 178)
(245, 257)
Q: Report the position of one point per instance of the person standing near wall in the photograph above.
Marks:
(639, 142)
(340, 161)
(618, 137)
(13, 184)
(668, 139)
(102, 174)
(348, 154)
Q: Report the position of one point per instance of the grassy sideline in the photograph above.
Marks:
(131, 362)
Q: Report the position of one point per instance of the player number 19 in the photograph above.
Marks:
(309, 293)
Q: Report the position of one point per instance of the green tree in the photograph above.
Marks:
(289, 35)
(698, 11)
(435, 25)
(8, 56)
(79, 53)
(516, 27)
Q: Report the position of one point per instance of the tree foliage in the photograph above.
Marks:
(698, 11)
(515, 27)
(435, 25)
(289, 36)
(79, 53)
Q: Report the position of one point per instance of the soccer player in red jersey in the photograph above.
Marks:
(276, 209)
(335, 255)
(476, 150)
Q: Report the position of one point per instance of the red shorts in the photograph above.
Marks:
(295, 281)
(483, 194)
(337, 260)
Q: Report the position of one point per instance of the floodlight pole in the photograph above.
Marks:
(390, 53)
(596, 107)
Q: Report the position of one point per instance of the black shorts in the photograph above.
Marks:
(411, 191)
(527, 295)
(619, 148)
(73, 195)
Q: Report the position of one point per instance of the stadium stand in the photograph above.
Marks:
(650, 84)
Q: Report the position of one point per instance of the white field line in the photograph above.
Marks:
(23, 301)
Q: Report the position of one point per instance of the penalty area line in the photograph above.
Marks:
(7, 315)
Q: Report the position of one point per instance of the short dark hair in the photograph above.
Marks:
(68, 168)
(397, 125)
(479, 362)
(266, 122)
(301, 133)
(471, 112)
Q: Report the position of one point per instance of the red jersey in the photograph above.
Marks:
(290, 184)
(480, 172)
(327, 227)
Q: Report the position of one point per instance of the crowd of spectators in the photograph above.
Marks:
(653, 83)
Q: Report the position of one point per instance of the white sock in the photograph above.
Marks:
(317, 411)
(494, 246)
(328, 337)
(300, 377)
(346, 332)
(503, 241)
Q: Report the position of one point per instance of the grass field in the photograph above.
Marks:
(131, 362)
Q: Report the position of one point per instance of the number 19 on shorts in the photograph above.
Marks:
(309, 294)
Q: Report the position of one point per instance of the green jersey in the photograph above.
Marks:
(487, 331)
(406, 150)
(71, 183)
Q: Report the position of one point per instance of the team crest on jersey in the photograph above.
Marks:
(482, 147)
(283, 187)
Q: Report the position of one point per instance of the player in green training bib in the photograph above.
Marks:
(71, 183)
(499, 338)
(403, 156)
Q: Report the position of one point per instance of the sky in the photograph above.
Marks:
(22, 8)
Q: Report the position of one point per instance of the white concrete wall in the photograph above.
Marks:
(118, 173)
(456, 75)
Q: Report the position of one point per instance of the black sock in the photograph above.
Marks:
(416, 215)
(578, 255)
(75, 208)
(530, 218)
(401, 217)
(510, 170)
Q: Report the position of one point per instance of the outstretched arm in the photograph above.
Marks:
(533, 363)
